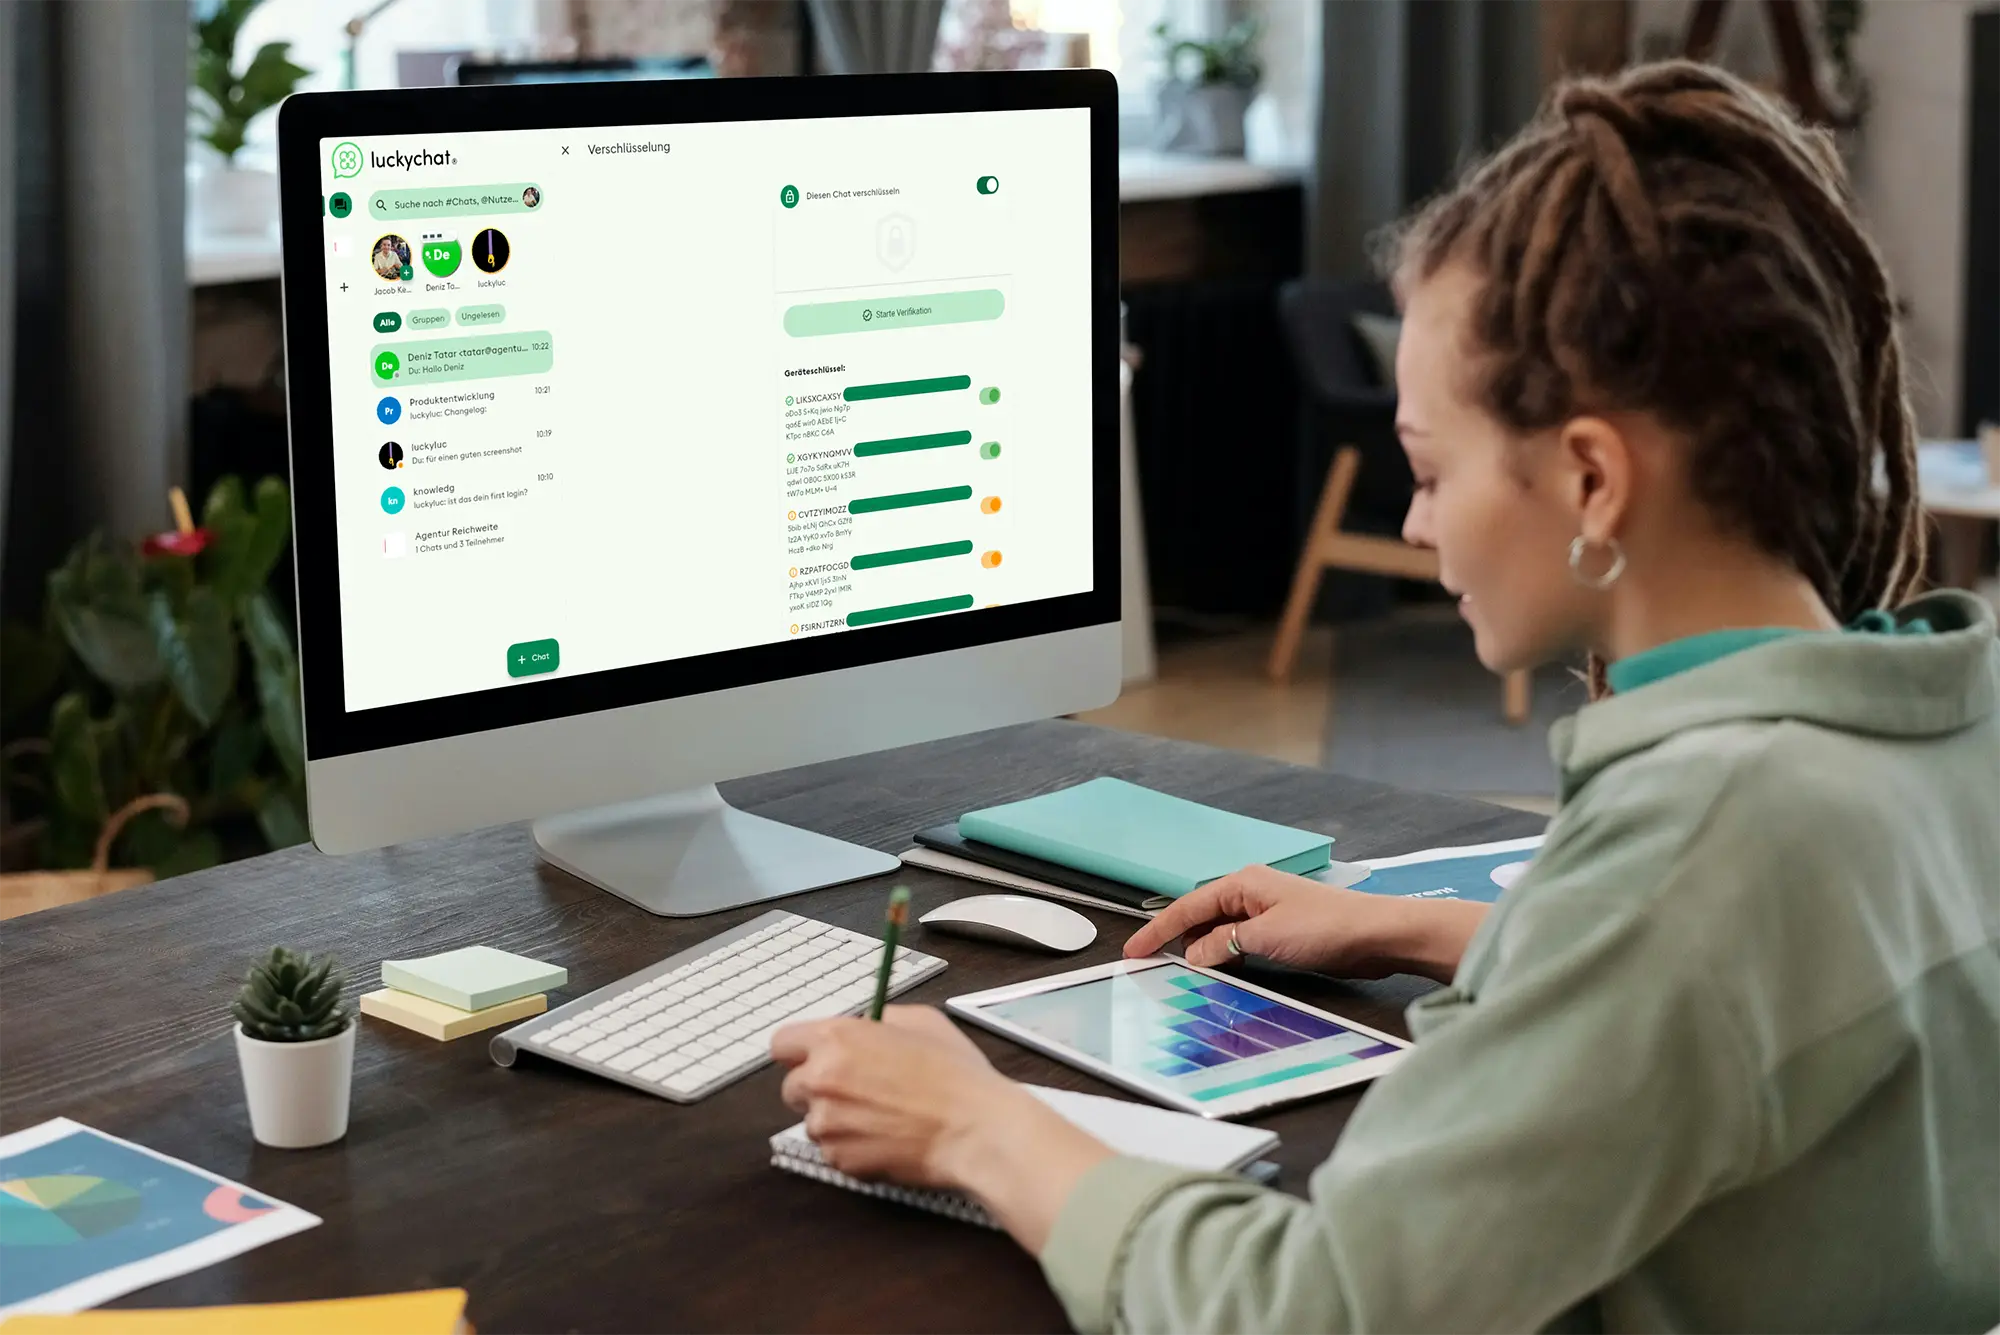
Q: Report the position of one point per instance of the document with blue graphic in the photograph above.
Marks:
(86, 1217)
(1478, 872)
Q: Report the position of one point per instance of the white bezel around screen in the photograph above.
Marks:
(976, 1008)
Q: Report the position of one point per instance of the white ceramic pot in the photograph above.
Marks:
(297, 1092)
(236, 201)
(1203, 118)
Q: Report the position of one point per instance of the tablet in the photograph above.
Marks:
(1184, 1036)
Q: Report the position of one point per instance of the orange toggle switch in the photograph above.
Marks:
(990, 506)
(989, 559)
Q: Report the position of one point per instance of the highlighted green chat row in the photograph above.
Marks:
(817, 318)
(455, 201)
(470, 357)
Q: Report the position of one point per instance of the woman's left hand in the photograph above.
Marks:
(912, 1099)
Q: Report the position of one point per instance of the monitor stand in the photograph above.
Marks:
(689, 853)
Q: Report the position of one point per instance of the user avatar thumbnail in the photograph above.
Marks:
(391, 258)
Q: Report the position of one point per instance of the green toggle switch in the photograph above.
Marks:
(989, 185)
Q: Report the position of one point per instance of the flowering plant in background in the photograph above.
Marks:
(161, 667)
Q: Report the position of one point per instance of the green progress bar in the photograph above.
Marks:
(1259, 1081)
(904, 444)
(902, 610)
(903, 500)
(896, 389)
(905, 555)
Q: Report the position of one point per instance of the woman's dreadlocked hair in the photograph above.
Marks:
(1671, 241)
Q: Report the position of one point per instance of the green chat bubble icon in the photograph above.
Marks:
(442, 257)
(346, 159)
(386, 365)
(341, 204)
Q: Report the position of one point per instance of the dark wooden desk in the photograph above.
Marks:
(566, 1203)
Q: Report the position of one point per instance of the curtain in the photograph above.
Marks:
(94, 426)
(9, 102)
(876, 36)
(1409, 90)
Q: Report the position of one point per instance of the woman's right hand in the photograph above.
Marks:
(1290, 920)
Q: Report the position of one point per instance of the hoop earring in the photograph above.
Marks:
(1578, 546)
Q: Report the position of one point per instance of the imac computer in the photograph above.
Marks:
(649, 435)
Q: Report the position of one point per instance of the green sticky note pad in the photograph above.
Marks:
(473, 978)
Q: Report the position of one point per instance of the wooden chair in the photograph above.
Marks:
(1328, 546)
(1348, 401)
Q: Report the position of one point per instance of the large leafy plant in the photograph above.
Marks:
(160, 668)
(223, 101)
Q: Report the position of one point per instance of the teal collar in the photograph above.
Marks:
(1677, 656)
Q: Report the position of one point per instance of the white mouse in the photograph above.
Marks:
(1014, 920)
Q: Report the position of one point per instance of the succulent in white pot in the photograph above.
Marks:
(295, 1043)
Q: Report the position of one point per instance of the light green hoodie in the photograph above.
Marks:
(1726, 1058)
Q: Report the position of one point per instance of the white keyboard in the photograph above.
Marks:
(694, 1022)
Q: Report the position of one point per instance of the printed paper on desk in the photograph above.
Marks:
(1476, 872)
(86, 1217)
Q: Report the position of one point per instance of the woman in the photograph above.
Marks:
(1728, 1055)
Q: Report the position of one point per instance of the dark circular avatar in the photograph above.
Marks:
(391, 455)
(490, 250)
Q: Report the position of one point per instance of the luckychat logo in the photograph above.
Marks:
(346, 159)
(406, 161)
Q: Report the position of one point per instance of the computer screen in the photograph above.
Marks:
(608, 397)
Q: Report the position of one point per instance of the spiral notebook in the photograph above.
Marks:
(1136, 1129)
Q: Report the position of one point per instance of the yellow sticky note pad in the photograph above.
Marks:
(434, 1019)
(435, 1312)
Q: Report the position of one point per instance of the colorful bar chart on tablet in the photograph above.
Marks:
(1197, 1035)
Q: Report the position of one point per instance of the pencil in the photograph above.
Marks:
(899, 913)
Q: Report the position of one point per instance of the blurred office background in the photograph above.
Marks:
(1269, 605)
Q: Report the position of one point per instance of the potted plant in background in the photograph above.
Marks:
(295, 1043)
(1208, 87)
(153, 712)
(229, 198)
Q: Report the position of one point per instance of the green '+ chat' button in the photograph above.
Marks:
(531, 658)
